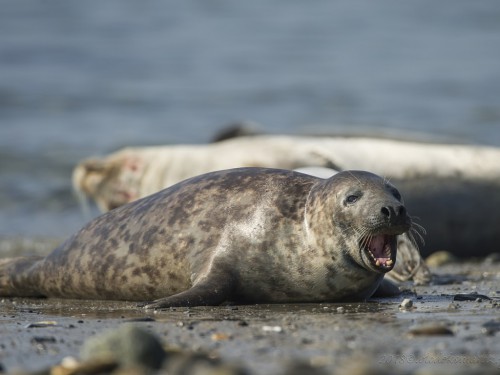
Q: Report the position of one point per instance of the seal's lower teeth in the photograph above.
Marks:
(377, 263)
(389, 262)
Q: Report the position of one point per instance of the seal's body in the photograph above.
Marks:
(135, 172)
(246, 235)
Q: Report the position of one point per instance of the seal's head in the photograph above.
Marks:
(111, 181)
(370, 214)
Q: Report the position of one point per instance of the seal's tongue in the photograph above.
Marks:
(380, 248)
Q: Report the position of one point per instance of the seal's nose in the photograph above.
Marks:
(394, 213)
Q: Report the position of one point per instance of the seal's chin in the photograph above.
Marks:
(380, 252)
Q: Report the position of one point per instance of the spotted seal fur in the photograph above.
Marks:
(249, 235)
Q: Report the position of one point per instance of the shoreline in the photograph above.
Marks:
(326, 337)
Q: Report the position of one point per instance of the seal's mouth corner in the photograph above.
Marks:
(380, 253)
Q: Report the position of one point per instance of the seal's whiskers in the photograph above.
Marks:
(415, 234)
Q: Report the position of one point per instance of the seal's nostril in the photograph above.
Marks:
(392, 212)
(386, 212)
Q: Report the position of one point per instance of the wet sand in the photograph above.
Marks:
(438, 333)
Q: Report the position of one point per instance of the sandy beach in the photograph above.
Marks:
(452, 326)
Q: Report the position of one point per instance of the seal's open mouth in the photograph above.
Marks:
(379, 251)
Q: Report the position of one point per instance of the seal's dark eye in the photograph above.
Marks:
(352, 199)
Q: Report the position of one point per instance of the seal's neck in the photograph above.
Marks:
(317, 214)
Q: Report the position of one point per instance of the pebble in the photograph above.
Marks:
(431, 330)
(69, 362)
(41, 324)
(43, 340)
(98, 366)
(219, 336)
(453, 306)
(470, 297)
(272, 329)
(299, 368)
(128, 346)
(406, 304)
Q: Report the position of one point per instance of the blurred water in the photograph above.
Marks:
(79, 78)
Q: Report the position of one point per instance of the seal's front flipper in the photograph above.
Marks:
(387, 289)
(205, 293)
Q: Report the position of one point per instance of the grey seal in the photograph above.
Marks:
(248, 235)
